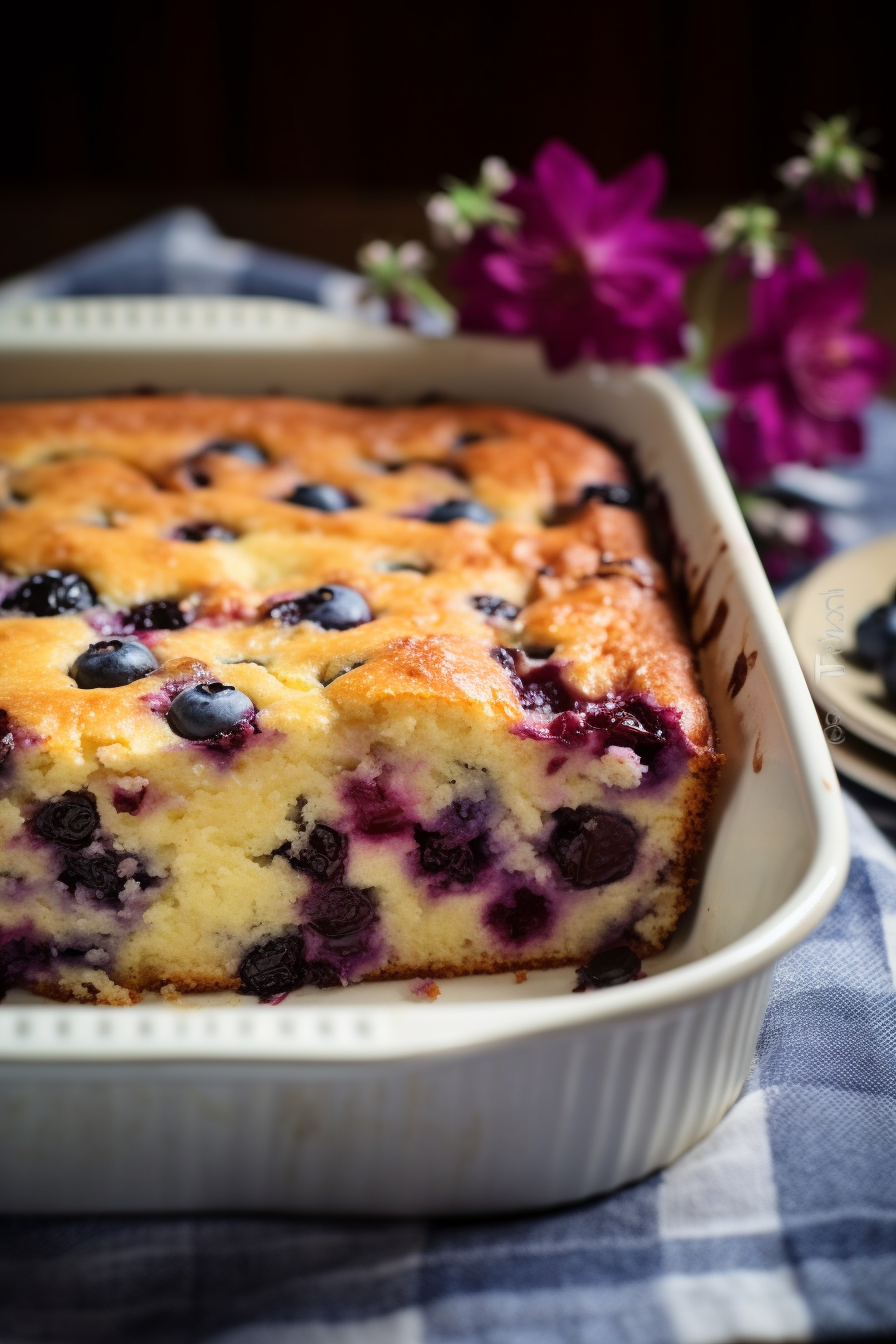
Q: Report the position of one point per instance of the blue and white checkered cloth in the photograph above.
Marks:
(781, 1225)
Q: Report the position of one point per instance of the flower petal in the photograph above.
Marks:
(568, 185)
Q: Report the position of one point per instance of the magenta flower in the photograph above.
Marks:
(841, 198)
(588, 270)
(801, 377)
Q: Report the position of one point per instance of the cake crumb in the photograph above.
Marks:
(520, 976)
(425, 989)
(170, 993)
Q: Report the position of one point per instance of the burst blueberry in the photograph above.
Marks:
(97, 873)
(323, 855)
(325, 498)
(69, 820)
(453, 509)
(112, 662)
(333, 608)
(591, 847)
(51, 593)
(209, 710)
(340, 912)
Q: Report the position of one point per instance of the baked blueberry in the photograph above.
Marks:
(622, 496)
(208, 710)
(456, 860)
(468, 437)
(525, 916)
(97, 872)
(203, 532)
(612, 966)
(243, 449)
(69, 820)
(498, 608)
(339, 912)
(112, 662)
(323, 856)
(591, 847)
(274, 967)
(23, 960)
(326, 498)
(51, 593)
(876, 635)
(333, 608)
(157, 615)
(453, 509)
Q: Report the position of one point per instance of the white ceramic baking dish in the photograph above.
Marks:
(499, 1095)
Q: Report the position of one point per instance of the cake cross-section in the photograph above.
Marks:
(297, 694)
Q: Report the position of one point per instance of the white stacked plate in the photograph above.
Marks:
(822, 614)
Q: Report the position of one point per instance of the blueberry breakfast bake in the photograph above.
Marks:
(303, 694)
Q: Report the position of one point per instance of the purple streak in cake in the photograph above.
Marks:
(521, 917)
(24, 959)
(128, 800)
(377, 809)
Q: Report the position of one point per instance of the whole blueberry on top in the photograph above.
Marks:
(160, 614)
(68, 820)
(612, 966)
(243, 449)
(498, 608)
(208, 710)
(876, 635)
(453, 509)
(51, 593)
(622, 496)
(326, 498)
(203, 532)
(333, 608)
(592, 847)
(112, 662)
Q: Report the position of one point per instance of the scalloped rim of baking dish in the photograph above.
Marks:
(56, 341)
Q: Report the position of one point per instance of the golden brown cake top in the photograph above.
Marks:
(147, 499)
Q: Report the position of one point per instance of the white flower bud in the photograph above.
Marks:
(412, 256)
(795, 171)
(375, 254)
(495, 175)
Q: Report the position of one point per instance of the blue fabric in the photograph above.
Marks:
(780, 1225)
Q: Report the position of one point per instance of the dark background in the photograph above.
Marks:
(313, 127)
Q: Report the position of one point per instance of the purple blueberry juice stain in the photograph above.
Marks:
(652, 732)
(25, 959)
(376, 807)
(520, 918)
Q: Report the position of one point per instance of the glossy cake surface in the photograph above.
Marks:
(299, 694)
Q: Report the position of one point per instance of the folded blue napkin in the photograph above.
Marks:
(781, 1225)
